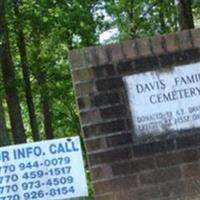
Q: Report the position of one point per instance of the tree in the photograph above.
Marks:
(185, 15)
(41, 77)
(4, 139)
(52, 31)
(25, 69)
(138, 18)
(44, 99)
(9, 80)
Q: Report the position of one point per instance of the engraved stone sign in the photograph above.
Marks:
(163, 102)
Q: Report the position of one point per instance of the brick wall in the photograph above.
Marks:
(166, 169)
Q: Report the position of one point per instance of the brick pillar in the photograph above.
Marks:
(166, 169)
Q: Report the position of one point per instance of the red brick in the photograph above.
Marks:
(98, 100)
(154, 147)
(166, 60)
(103, 71)
(101, 55)
(83, 89)
(98, 72)
(90, 56)
(104, 128)
(109, 84)
(181, 57)
(116, 184)
(113, 112)
(85, 102)
(196, 37)
(147, 193)
(101, 172)
(129, 124)
(188, 140)
(176, 158)
(95, 144)
(81, 75)
(128, 50)
(157, 43)
(90, 117)
(177, 189)
(192, 170)
(102, 187)
(126, 68)
(159, 176)
(144, 47)
(120, 139)
(171, 42)
(185, 41)
(114, 52)
(76, 58)
(146, 64)
(109, 196)
(110, 156)
(193, 54)
(133, 166)
(107, 99)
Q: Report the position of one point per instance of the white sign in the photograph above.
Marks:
(165, 101)
(45, 170)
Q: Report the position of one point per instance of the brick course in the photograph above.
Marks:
(120, 167)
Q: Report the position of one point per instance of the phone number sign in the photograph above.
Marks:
(47, 170)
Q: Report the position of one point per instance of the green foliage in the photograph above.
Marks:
(51, 28)
(137, 18)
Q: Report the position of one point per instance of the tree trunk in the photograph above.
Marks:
(9, 80)
(26, 74)
(185, 16)
(40, 75)
(4, 138)
(162, 21)
(44, 99)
